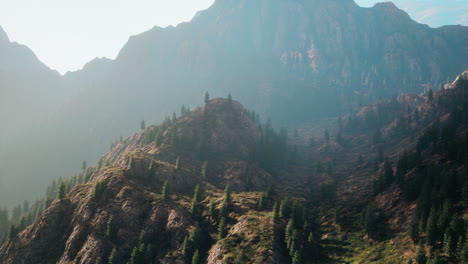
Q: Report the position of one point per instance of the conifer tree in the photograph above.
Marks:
(207, 97)
(370, 221)
(111, 230)
(165, 191)
(185, 247)
(177, 164)
(196, 258)
(420, 255)
(212, 209)
(275, 211)
(204, 169)
(61, 191)
(195, 200)
(448, 243)
(113, 257)
(229, 99)
(142, 124)
(222, 228)
(431, 228)
(297, 258)
(227, 195)
(261, 201)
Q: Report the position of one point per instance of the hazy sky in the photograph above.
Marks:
(65, 34)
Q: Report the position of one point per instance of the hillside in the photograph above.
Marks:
(217, 184)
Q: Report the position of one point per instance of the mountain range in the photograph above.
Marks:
(292, 61)
(385, 184)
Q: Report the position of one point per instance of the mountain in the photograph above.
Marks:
(387, 177)
(292, 61)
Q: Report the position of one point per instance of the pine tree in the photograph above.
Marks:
(289, 233)
(99, 188)
(165, 191)
(229, 99)
(111, 230)
(207, 97)
(130, 163)
(431, 228)
(420, 255)
(227, 195)
(448, 243)
(370, 221)
(83, 165)
(212, 209)
(430, 94)
(222, 228)
(177, 164)
(297, 258)
(142, 124)
(275, 211)
(284, 209)
(204, 169)
(113, 257)
(61, 191)
(12, 231)
(195, 200)
(196, 258)
(261, 201)
(185, 247)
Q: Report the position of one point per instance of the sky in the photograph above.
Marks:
(66, 34)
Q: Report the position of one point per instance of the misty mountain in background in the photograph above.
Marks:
(292, 61)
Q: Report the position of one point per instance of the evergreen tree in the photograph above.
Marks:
(261, 201)
(177, 164)
(420, 255)
(142, 124)
(196, 258)
(113, 257)
(430, 94)
(136, 257)
(227, 195)
(207, 97)
(12, 231)
(185, 247)
(370, 220)
(84, 166)
(297, 257)
(222, 228)
(275, 211)
(62, 191)
(284, 209)
(431, 228)
(165, 191)
(212, 209)
(99, 188)
(111, 230)
(448, 243)
(289, 233)
(204, 169)
(195, 200)
(229, 99)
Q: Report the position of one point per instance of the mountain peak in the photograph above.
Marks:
(3, 35)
